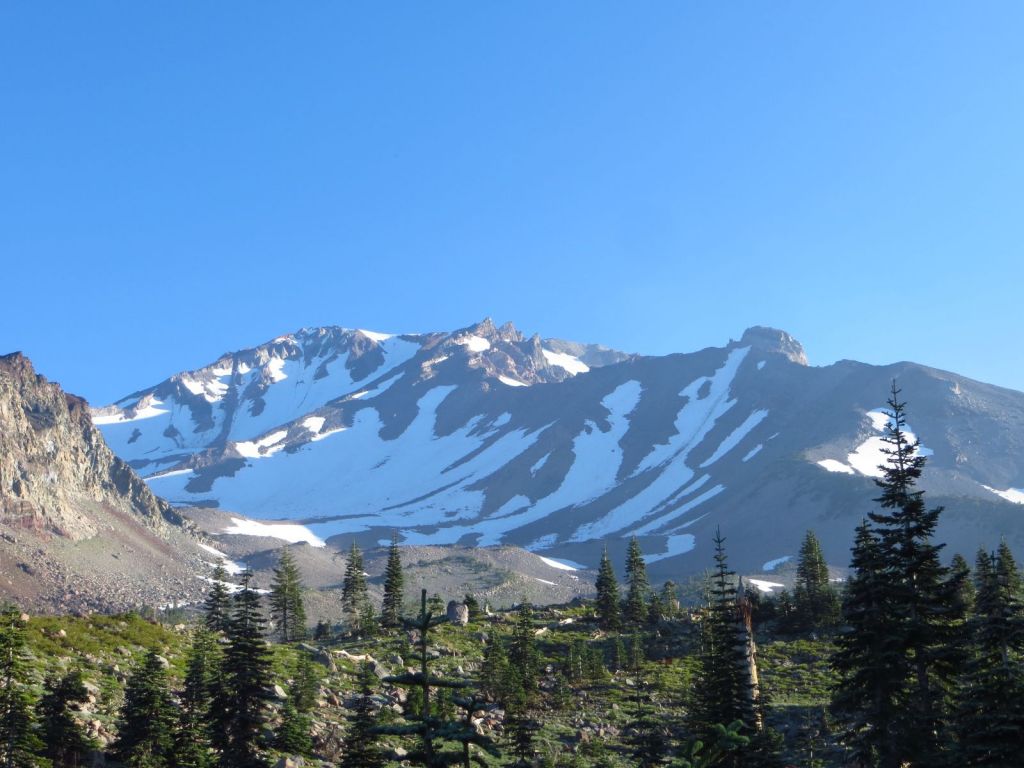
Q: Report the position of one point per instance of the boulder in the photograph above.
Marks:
(458, 613)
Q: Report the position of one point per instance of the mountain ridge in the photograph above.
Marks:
(482, 436)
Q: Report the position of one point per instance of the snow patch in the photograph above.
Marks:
(148, 410)
(545, 581)
(290, 532)
(261, 448)
(231, 566)
(753, 452)
(760, 364)
(1016, 495)
(474, 343)
(314, 424)
(771, 565)
(562, 565)
(836, 466)
(736, 436)
(571, 364)
(378, 337)
(512, 382)
(869, 455)
(676, 545)
(275, 369)
(765, 586)
(539, 463)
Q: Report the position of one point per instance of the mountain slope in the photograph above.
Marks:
(80, 530)
(484, 437)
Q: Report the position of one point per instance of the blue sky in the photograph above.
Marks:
(179, 180)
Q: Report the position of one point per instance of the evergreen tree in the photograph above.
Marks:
(923, 617)
(960, 572)
(217, 608)
(323, 630)
(145, 727)
(432, 724)
(66, 744)
(991, 703)
(293, 733)
(656, 610)
(306, 684)
(191, 737)
(816, 603)
(523, 654)
(494, 672)
(355, 601)
(866, 695)
(18, 741)
(361, 750)
(723, 690)
(608, 608)
(286, 603)
(394, 584)
(473, 606)
(639, 587)
(243, 695)
(669, 599)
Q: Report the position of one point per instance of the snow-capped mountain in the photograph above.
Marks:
(482, 436)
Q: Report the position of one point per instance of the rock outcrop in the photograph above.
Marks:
(80, 528)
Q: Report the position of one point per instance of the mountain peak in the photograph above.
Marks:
(16, 363)
(772, 340)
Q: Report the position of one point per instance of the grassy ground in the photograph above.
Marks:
(582, 723)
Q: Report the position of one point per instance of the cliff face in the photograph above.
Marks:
(55, 468)
(79, 528)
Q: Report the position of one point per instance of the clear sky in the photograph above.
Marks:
(182, 179)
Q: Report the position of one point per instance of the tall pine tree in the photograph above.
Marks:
(65, 740)
(18, 741)
(639, 587)
(394, 585)
(361, 749)
(246, 680)
(923, 615)
(867, 695)
(608, 605)
(217, 608)
(355, 600)
(286, 603)
(990, 720)
(816, 603)
(191, 736)
(723, 692)
(145, 726)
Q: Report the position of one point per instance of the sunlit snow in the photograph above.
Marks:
(736, 436)
(252, 450)
(562, 565)
(572, 364)
(290, 532)
(378, 337)
(836, 466)
(148, 410)
(764, 586)
(314, 423)
(512, 382)
(1016, 495)
(474, 343)
(868, 457)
